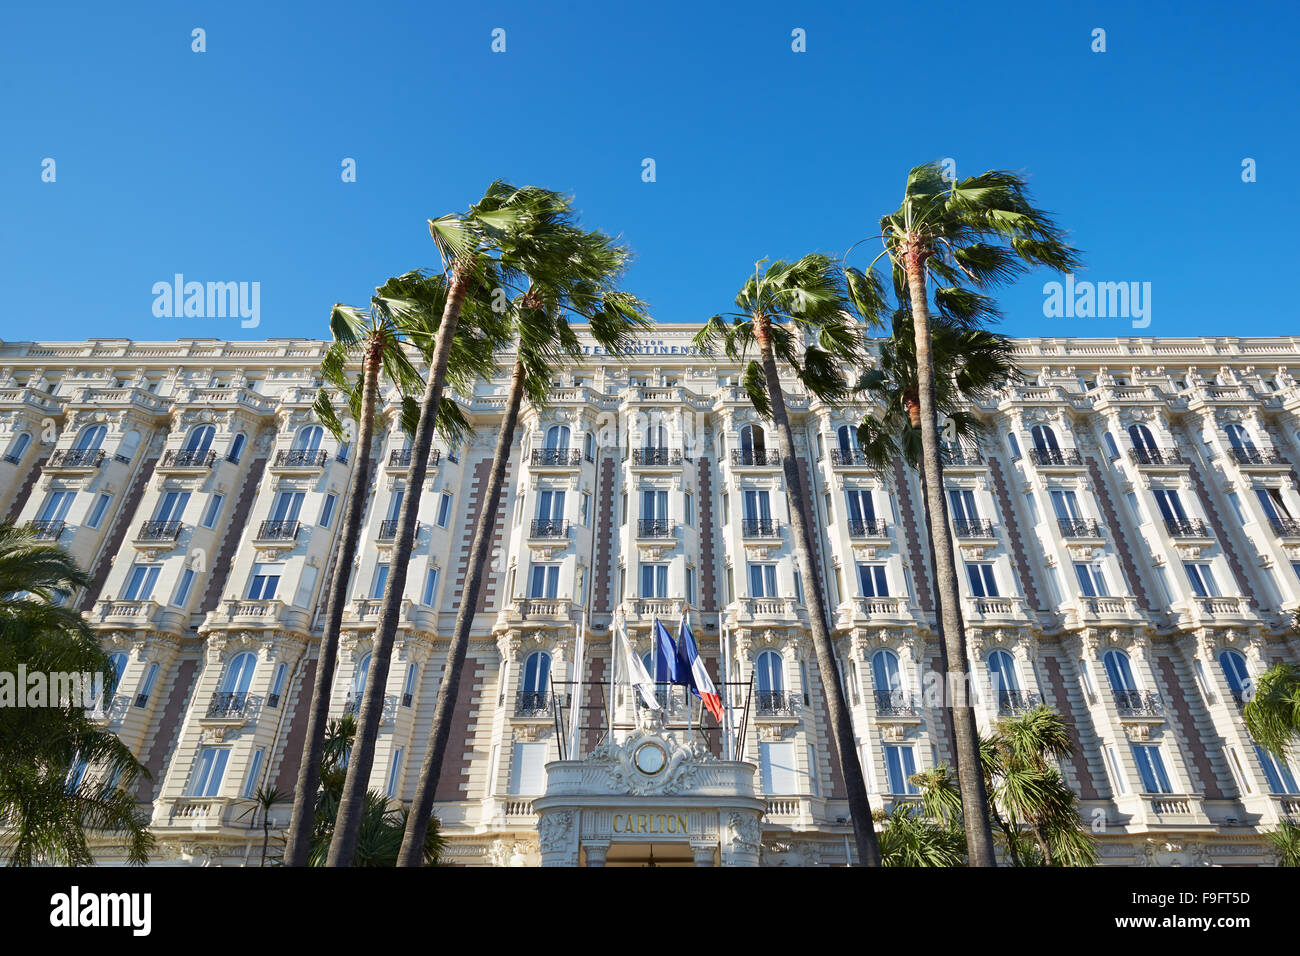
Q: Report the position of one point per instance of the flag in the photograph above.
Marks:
(694, 674)
(666, 669)
(629, 669)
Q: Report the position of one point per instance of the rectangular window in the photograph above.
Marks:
(689, 510)
(208, 771)
(254, 769)
(731, 585)
(654, 505)
(1277, 772)
(779, 774)
(814, 779)
(172, 506)
(900, 761)
(327, 510)
(444, 509)
(1201, 579)
(871, 579)
(726, 508)
(1170, 505)
(1091, 581)
(378, 582)
(265, 581)
(982, 581)
(408, 689)
(1032, 503)
(961, 502)
(97, 512)
(287, 505)
(654, 580)
(183, 592)
(1236, 507)
(394, 769)
(762, 580)
(528, 770)
(213, 509)
(56, 506)
(1274, 505)
(1151, 768)
(277, 685)
(586, 508)
(545, 581)
(142, 698)
(623, 508)
(690, 586)
(798, 587)
(862, 507)
(430, 586)
(1116, 772)
(140, 582)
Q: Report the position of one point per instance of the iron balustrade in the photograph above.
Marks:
(656, 456)
(141, 700)
(973, 528)
(1187, 528)
(556, 457)
(848, 456)
(190, 458)
(1079, 528)
(538, 703)
(228, 704)
(278, 531)
(867, 529)
(1252, 456)
(273, 700)
(550, 528)
(47, 530)
(895, 703)
(1286, 527)
(301, 458)
(388, 528)
(961, 456)
(401, 458)
(760, 527)
(1055, 456)
(1012, 702)
(1139, 703)
(777, 703)
(160, 531)
(12, 459)
(77, 458)
(747, 457)
(653, 528)
(1156, 456)
(352, 705)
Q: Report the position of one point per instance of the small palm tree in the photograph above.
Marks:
(795, 314)
(264, 800)
(574, 274)
(1285, 841)
(961, 238)
(1272, 714)
(61, 774)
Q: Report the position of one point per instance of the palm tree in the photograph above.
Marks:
(796, 313)
(964, 237)
(574, 274)
(482, 251)
(264, 800)
(1285, 841)
(61, 775)
(1272, 714)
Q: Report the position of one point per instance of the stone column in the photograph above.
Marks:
(596, 852)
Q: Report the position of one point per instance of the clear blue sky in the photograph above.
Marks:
(225, 165)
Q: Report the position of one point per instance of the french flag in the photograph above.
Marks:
(691, 672)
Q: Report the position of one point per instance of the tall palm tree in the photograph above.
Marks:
(961, 238)
(574, 275)
(1272, 714)
(61, 774)
(264, 800)
(796, 314)
(483, 251)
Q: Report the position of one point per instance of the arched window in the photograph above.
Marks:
(359, 681)
(239, 675)
(656, 436)
(200, 438)
(1240, 438)
(589, 446)
(1237, 675)
(537, 673)
(847, 438)
(308, 439)
(118, 661)
(557, 438)
(237, 448)
(1045, 438)
(771, 676)
(19, 447)
(1120, 673)
(1141, 437)
(91, 438)
(1014, 445)
(753, 440)
(1111, 448)
(1002, 675)
(884, 672)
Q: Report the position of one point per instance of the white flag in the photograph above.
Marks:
(628, 668)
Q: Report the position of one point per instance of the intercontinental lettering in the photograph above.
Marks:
(646, 348)
(649, 823)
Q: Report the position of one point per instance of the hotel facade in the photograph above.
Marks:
(1127, 531)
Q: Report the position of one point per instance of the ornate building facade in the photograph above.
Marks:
(1127, 530)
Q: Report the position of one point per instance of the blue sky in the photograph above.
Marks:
(225, 165)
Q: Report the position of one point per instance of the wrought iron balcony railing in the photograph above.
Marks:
(656, 456)
(1188, 528)
(1079, 528)
(1156, 456)
(653, 528)
(301, 458)
(1011, 702)
(160, 531)
(77, 458)
(895, 703)
(1055, 456)
(189, 458)
(848, 456)
(1253, 456)
(875, 528)
(550, 528)
(388, 528)
(1139, 703)
(760, 527)
(227, 704)
(749, 458)
(777, 703)
(401, 457)
(973, 528)
(278, 531)
(961, 456)
(1285, 527)
(47, 530)
(537, 703)
(556, 457)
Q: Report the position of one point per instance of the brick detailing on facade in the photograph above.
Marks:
(453, 782)
(478, 489)
(935, 724)
(708, 579)
(1008, 509)
(1197, 736)
(1116, 528)
(117, 533)
(911, 520)
(1080, 728)
(604, 528)
(218, 572)
(167, 729)
(594, 702)
(25, 491)
(295, 731)
(1225, 541)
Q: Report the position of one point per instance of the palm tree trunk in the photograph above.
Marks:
(417, 824)
(970, 776)
(946, 704)
(839, 718)
(347, 825)
(298, 848)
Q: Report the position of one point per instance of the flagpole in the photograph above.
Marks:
(724, 637)
(575, 706)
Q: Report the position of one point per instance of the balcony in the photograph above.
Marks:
(1139, 703)
(1253, 456)
(1012, 703)
(653, 528)
(535, 705)
(1157, 457)
(47, 530)
(300, 458)
(401, 458)
(656, 457)
(896, 703)
(543, 609)
(549, 528)
(187, 459)
(776, 703)
(868, 609)
(555, 458)
(775, 609)
(278, 531)
(1187, 528)
(644, 610)
(747, 458)
(76, 459)
(1079, 528)
(1285, 527)
(868, 529)
(973, 528)
(982, 609)
(388, 710)
(159, 531)
(848, 457)
(229, 705)
(760, 528)
(961, 457)
(1056, 457)
(1221, 607)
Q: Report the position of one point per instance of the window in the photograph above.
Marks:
(758, 506)
(982, 581)
(18, 448)
(726, 508)
(871, 579)
(1002, 674)
(1141, 438)
(90, 438)
(1044, 438)
(528, 770)
(239, 673)
(444, 509)
(1065, 505)
(1151, 768)
(1115, 773)
(308, 439)
(753, 443)
(1014, 446)
(286, 506)
(688, 511)
(1170, 505)
(557, 438)
(690, 587)
(97, 512)
(236, 449)
(731, 584)
(1119, 673)
(254, 769)
(776, 763)
(1239, 438)
(1111, 448)
(1091, 581)
(846, 437)
(1276, 772)
(408, 688)
(187, 584)
(585, 508)
(172, 506)
(277, 685)
(1236, 507)
(654, 505)
(56, 506)
(430, 586)
(884, 672)
(1237, 674)
(394, 771)
(265, 580)
(395, 502)
(798, 586)
(327, 510)
(536, 676)
(654, 580)
(140, 582)
(961, 502)
(211, 512)
(762, 580)
(545, 581)
(623, 509)
(1274, 505)
(814, 778)
(200, 439)
(901, 764)
(589, 446)
(146, 689)
(1201, 579)
(378, 582)
(208, 771)
(769, 673)
(861, 505)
